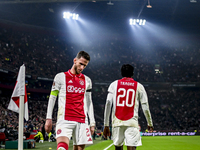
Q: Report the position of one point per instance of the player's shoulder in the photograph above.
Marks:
(87, 78)
(112, 85)
(59, 75)
(114, 82)
(140, 86)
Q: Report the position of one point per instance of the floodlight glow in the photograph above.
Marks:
(69, 15)
(140, 23)
(75, 16)
(134, 22)
(144, 21)
(66, 15)
(137, 21)
(130, 21)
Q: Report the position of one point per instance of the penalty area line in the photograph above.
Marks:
(108, 147)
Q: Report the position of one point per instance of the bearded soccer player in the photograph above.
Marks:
(125, 95)
(74, 104)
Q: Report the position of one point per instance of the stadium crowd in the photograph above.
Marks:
(44, 55)
(171, 110)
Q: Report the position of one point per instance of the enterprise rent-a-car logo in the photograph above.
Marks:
(168, 133)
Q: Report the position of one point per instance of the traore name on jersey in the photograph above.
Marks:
(127, 83)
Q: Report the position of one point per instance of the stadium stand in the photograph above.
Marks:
(173, 90)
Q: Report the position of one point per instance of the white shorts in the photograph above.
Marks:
(80, 132)
(129, 135)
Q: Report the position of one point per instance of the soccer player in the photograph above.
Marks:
(40, 136)
(74, 104)
(125, 95)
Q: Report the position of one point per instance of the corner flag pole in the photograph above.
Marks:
(21, 123)
(21, 110)
(18, 103)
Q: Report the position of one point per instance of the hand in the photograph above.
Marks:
(106, 132)
(92, 130)
(150, 129)
(48, 125)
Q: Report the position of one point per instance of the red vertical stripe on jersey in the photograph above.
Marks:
(125, 98)
(75, 91)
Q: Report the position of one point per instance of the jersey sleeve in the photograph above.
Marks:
(53, 95)
(108, 105)
(145, 104)
(89, 85)
(111, 88)
(56, 82)
(142, 94)
(90, 108)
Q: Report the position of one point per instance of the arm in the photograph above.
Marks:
(145, 108)
(147, 114)
(52, 99)
(90, 110)
(107, 111)
(36, 135)
(51, 103)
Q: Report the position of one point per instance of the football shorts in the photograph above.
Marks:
(129, 135)
(80, 132)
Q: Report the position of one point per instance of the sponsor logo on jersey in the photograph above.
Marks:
(81, 82)
(127, 83)
(70, 81)
(59, 131)
(72, 89)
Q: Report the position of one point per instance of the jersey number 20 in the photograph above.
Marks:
(126, 98)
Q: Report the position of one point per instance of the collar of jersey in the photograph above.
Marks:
(74, 75)
(128, 78)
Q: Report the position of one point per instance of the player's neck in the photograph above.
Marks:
(72, 71)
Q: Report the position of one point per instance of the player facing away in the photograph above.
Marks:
(125, 95)
(74, 104)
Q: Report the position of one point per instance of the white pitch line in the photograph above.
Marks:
(108, 146)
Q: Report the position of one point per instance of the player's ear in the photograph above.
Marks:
(75, 59)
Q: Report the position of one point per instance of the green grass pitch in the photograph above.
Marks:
(148, 143)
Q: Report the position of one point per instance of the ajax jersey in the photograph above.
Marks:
(75, 91)
(74, 103)
(125, 99)
(124, 95)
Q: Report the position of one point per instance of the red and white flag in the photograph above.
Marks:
(19, 90)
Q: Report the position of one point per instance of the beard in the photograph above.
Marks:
(76, 70)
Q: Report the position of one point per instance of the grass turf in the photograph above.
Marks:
(148, 143)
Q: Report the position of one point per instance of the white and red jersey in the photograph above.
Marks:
(125, 95)
(74, 102)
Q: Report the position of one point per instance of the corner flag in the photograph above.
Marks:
(19, 90)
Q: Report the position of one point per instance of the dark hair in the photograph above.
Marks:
(127, 70)
(84, 55)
